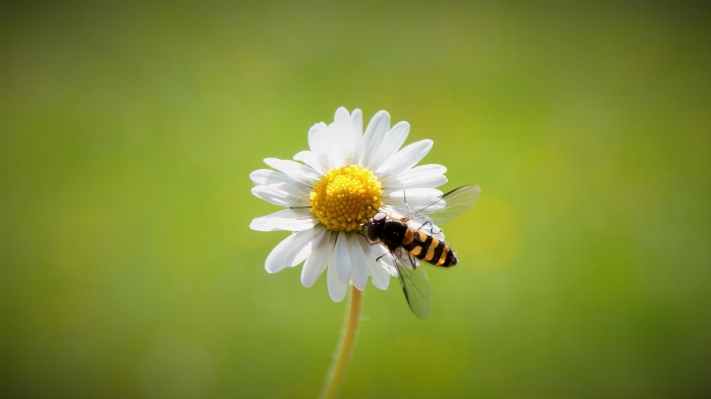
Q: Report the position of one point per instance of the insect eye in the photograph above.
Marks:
(375, 225)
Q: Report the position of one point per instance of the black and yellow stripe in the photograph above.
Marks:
(428, 248)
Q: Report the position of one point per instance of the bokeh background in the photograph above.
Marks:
(128, 131)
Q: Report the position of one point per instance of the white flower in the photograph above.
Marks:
(344, 179)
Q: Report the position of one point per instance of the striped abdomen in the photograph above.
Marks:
(428, 248)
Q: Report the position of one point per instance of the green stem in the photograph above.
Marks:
(344, 351)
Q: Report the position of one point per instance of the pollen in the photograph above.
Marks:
(346, 198)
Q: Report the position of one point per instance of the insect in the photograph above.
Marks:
(415, 237)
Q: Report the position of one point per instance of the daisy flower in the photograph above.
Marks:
(344, 178)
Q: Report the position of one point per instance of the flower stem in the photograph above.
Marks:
(344, 351)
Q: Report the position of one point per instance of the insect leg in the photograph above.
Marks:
(413, 262)
(431, 227)
(379, 257)
(404, 198)
(423, 225)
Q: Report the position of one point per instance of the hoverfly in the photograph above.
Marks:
(415, 237)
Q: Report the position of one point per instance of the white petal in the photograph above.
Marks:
(404, 159)
(419, 176)
(374, 134)
(416, 198)
(340, 139)
(310, 238)
(282, 194)
(355, 134)
(342, 117)
(336, 288)
(310, 159)
(287, 252)
(317, 261)
(426, 182)
(357, 121)
(297, 219)
(414, 175)
(359, 267)
(396, 211)
(300, 173)
(333, 150)
(268, 176)
(412, 195)
(276, 261)
(378, 274)
(316, 137)
(299, 256)
(342, 258)
(357, 126)
(387, 263)
(318, 143)
(423, 170)
(391, 143)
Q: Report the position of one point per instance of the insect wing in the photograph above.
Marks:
(414, 284)
(449, 205)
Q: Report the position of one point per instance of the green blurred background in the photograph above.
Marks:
(129, 131)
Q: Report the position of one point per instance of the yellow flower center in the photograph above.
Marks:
(345, 198)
